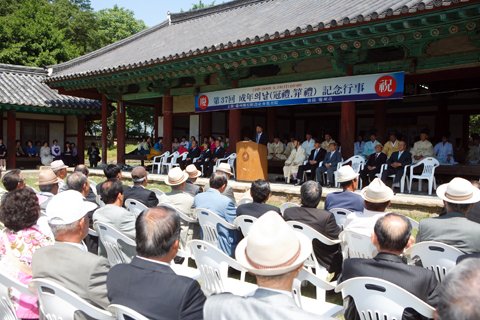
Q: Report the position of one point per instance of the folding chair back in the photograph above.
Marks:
(99, 201)
(208, 222)
(231, 163)
(244, 223)
(287, 205)
(355, 245)
(357, 163)
(379, 299)
(7, 311)
(59, 303)
(436, 256)
(93, 185)
(245, 200)
(183, 269)
(157, 192)
(428, 173)
(165, 163)
(124, 313)
(135, 206)
(158, 161)
(109, 236)
(174, 160)
(340, 215)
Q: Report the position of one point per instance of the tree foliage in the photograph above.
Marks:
(199, 5)
(474, 124)
(117, 24)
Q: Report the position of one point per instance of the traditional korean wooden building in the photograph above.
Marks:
(248, 43)
(31, 110)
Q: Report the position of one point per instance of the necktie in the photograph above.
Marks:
(315, 155)
(400, 154)
(376, 156)
(258, 138)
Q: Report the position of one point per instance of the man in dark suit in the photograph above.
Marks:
(112, 171)
(392, 234)
(91, 196)
(260, 192)
(138, 191)
(204, 158)
(316, 156)
(261, 137)
(148, 284)
(191, 188)
(329, 165)
(322, 221)
(373, 165)
(192, 154)
(396, 164)
(217, 153)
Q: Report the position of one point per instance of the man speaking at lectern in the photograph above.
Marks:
(261, 137)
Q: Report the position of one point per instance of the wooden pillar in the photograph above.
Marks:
(104, 128)
(271, 122)
(235, 131)
(81, 139)
(120, 130)
(380, 121)
(167, 121)
(206, 126)
(158, 113)
(11, 137)
(347, 129)
(442, 121)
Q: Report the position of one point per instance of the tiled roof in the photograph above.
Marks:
(24, 86)
(231, 24)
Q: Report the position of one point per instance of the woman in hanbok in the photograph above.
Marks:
(157, 149)
(45, 155)
(369, 147)
(56, 151)
(295, 160)
(444, 151)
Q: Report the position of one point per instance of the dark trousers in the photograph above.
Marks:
(365, 174)
(185, 163)
(398, 172)
(199, 164)
(307, 167)
(209, 165)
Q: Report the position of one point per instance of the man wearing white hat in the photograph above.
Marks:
(193, 173)
(225, 169)
(275, 253)
(60, 170)
(346, 199)
(48, 184)
(377, 198)
(68, 262)
(454, 228)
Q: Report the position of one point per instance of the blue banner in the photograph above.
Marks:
(355, 88)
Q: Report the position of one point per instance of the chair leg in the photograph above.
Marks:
(420, 185)
(430, 185)
(410, 188)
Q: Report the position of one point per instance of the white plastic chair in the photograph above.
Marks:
(355, 245)
(287, 205)
(57, 302)
(187, 220)
(158, 160)
(92, 232)
(403, 179)
(183, 269)
(213, 265)
(109, 236)
(7, 311)
(245, 200)
(124, 313)
(428, 173)
(158, 192)
(208, 222)
(244, 223)
(93, 185)
(436, 256)
(340, 215)
(165, 163)
(99, 201)
(173, 161)
(379, 299)
(358, 162)
(318, 305)
(135, 206)
(415, 223)
(306, 171)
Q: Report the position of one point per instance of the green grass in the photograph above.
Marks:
(112, 154)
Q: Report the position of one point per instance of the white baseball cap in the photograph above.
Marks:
(67, 207)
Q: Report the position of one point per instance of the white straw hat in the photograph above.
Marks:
(176, 177)
(67, 207)
(192, 171)
(272, 247)
(377, 192)
(225, 167)
(346, 173)
(57, 165)
(46, 178)
(459, 191)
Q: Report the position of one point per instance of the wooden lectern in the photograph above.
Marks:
(252, 163)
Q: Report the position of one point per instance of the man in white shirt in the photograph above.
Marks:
(423, 148)
(327, 142)
(308, 144)
(377, 198)
(276, 149)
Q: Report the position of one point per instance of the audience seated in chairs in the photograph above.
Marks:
(346, 199)
(422, 148)
(177, 180)
(12, 180)
(213, 200)
(459, 292)
(19, 212)
(392, 234)
(329, 165)
(48, 184)
(317, 155)
(224, 168)
(68, 262)
(191, 188)
(396, 164)
(60, 170)
(294, 161)
(275, 254)
(193, 153)
(374, 165)
(204, 158)
(377, 198)
(260, 192)
(454, 228)
(138, 191)
(148, 285)
(113, 213)
(276, 149)
(112, 171)
(218, 152)
(330, 257)
(391, 145)
(91, 196)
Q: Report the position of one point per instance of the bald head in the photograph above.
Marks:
(393, 232)
(82, 169)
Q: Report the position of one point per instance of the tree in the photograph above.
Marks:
(199, 5)
(474, 126)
